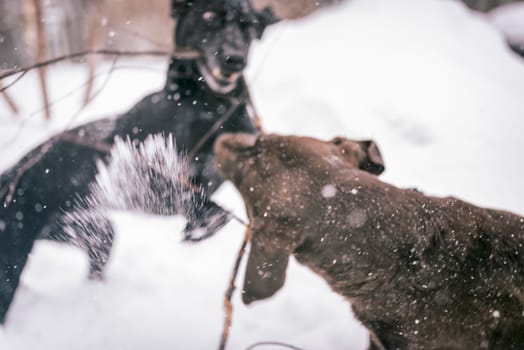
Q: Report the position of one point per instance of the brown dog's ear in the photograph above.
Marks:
(372, 162)
(265, 272)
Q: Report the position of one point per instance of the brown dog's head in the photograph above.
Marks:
(283, 180)
(251, 161)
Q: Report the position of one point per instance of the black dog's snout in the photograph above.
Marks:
(233, 63)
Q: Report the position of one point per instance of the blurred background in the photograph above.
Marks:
(77, 25)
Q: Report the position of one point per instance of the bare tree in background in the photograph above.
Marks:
(487, 5)
(292, 9)
(33, 31)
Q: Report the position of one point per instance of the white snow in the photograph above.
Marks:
(432, 83)
(510, 20)
(329, 191)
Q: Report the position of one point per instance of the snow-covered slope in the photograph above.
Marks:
(431, 82)
(510, 20)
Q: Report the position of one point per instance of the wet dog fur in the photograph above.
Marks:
(45, 184)
(420, 272)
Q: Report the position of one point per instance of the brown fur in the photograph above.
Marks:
(420, 272)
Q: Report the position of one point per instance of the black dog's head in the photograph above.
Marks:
(222, 31)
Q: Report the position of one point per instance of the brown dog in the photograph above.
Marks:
(420, 272)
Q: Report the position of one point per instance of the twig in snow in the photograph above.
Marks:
(177, 54)
(273, 343)
(231, 288)
(252, 110)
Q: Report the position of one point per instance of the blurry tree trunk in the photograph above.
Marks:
(137, 24)
(487, 5)
(9, 100)
(13, 49)
(291, 9)
(41, 55)
(95, 35)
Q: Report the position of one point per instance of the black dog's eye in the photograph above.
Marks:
(209, 16)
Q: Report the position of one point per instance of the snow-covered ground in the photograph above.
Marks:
(431, 82)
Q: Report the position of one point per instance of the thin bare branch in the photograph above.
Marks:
(228, 306)
(2, 89)
(273, 343)
(220, 121)
(251, 109)
(191, 54)
(136, 34)
(100, 146)
(10, 102)
(9, 188)
(96, 93)
(42, 78)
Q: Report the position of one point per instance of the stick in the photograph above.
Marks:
(3, 88)
(252, 110)
(231, 288)
(190, 54)
(273, 343)
(220, 121)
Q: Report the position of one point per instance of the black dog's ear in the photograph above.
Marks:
(372, 162)
(179, 6)
(267, 17)
(265, 272)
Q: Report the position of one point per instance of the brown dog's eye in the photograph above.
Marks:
(337, 141)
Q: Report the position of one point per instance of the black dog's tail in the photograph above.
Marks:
(150, 177)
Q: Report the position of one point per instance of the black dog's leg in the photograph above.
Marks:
(204, 220)
(99, 255)
(91, 230)
(14, 251)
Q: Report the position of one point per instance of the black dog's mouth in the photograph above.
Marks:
(218, 80)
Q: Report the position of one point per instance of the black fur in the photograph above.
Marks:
(191, 102)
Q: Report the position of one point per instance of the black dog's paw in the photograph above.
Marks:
(96, 275)
(205, 222)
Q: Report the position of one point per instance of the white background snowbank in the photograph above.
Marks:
(431, 82)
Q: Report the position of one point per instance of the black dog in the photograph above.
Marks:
(203, 97)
